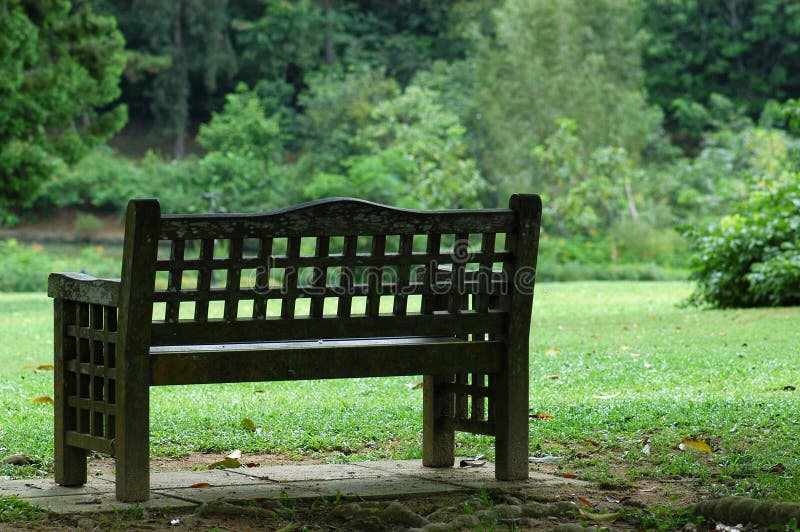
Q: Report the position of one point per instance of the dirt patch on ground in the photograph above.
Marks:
(100, 465)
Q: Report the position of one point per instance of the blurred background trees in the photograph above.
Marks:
(640, 122)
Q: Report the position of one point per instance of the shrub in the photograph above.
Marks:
(25, 267)
(752, 258)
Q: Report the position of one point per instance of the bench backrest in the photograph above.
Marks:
(335, 268)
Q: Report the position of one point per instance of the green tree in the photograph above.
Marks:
(179, 53)
(746, 50)
(411, 153)
(245, 151)
(553, 59)
(587, 193)
(60, 67)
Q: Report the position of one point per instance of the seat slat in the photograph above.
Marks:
(306, 328)
(302, 361)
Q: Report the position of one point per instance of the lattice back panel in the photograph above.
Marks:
(268, 271)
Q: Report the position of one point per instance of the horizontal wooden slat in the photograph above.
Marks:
(90, 404)
(304, 291)
(468, 425)
(91, 369)
(336, 217)
(94, 443)
(330, 261)
(467, 389)
(304, 328)
(84, 288)
(89, 333)
(331, 360)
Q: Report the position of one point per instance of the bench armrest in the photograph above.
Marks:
(83, 288)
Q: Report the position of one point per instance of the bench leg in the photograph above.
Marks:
(438, 439)
(132, 448)
(70, 462)
(511, 439)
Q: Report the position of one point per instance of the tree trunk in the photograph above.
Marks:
(179, 146)
(330, 57)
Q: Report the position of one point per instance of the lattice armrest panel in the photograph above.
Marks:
(88, 374)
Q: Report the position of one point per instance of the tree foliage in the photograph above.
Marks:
(59, 70)
(554, 59)
(746, 50)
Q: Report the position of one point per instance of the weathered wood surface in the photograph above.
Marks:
(335, 217)
(470, 328)
(315, 360)
(511, 440)
(83, 288)
(132, 443)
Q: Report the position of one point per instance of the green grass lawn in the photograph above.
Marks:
(614, 364)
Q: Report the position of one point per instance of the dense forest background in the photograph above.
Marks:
(638, 121)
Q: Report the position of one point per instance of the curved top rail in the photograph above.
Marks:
(335, 216)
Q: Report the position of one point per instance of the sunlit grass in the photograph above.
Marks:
(613, 363)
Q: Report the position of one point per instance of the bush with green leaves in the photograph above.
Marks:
(752, 257)
(24, 267)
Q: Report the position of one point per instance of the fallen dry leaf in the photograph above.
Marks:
(553, 377)
(43, 400)
(569, 475)
(592, 442)
(413, 385)
(44, 367)
(541, 416)
(201, 485)
(698, 445)
(228, 463)
(552, 351)
(586, 502)
(235, 455)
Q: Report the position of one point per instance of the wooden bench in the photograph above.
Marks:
(241, 297)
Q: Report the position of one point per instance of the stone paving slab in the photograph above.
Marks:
(468, 477)
(243, 492)
(293, 473)
(173, 489)
(103, 502)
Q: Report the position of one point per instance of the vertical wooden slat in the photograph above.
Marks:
(262, 278)
(347, 277)
(375, 277)
(403, 275)
(478, 410)
(132, 442)
(429, 292)
(204, 274)
(234, 280)
(460, 256)
(69, 462)
(174, 280)
(482, 299)
(290, 276)
(511, 442)
(317, 306)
